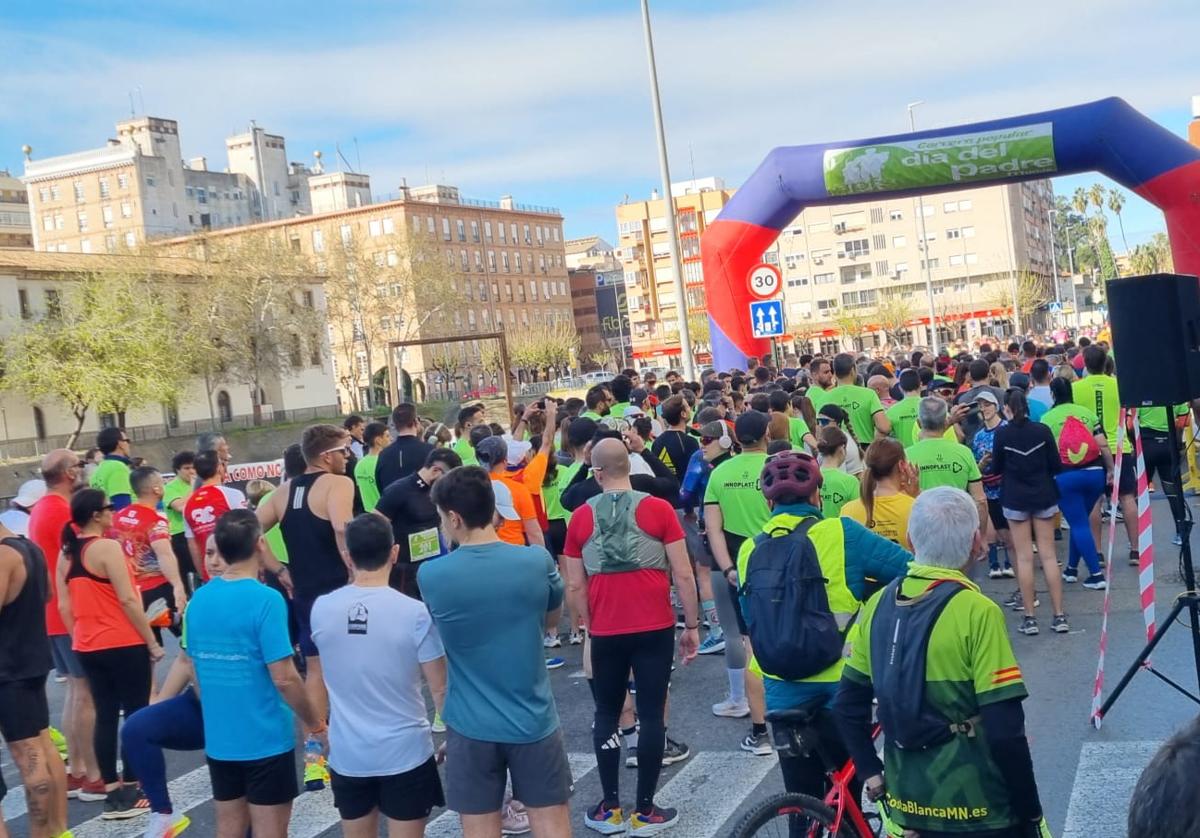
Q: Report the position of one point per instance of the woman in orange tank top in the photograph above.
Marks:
(102, 609)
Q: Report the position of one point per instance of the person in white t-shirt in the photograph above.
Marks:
(376, 644)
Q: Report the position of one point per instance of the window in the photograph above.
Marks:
(487, 231)
(478, 261)
(149, 180)
(953, 233)
(85, 245)
(542, 262)
(797, 281)
(126, 209)
(43, 194)
(859, 299)
(533, 290)
(54, 194)
(968, 232)
(856, 247)
(122, 180)
(538, 230)
(881, 268)
(475, 231)
(295, 351)
(950, 206)
(47, 222)
(525, 230)
(500, 231)
(224, 406)
(972, 258)
(492, 260)
(110, 243)
(430, 222)
(78, 188)
(520, 292)
(928, 210)
(854, 273)
(931, 237)
(389, 226)
(933, 263)
(963, 206)
(23, 303)
(876, 215)
(518, 261)
(879, 241)
(513, 230)
(375, 228)
(58, 221)
(555, 232)
(546, 289)
(901, 268)
(463, 260)
(823, 279)
(955, 260)
(462, 230)
(103, 187)
(392, 259)
(347, 234)
(827, 305)
(318, 241)
(416, 224)
(131, 239)
(446, 229)
(503, 258)
(899, 241)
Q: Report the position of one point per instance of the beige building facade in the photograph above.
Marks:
(15, 229)
(505, 261)
(643, 249)
(138, 187)
(31, 285)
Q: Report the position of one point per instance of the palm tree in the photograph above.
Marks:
(1080, 200)
(1116, 203)
(1096, 193)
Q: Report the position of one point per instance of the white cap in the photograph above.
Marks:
(504, 501)
(517, 449)
(31, 492)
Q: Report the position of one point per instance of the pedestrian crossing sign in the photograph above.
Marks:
(766, 318)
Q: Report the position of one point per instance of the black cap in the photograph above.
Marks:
(751, 427)
(638, 396)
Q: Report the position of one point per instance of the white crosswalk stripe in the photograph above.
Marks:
(710, 788)
(187, 792)
(1104, 781)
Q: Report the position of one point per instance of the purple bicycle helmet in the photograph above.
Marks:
(791, 475)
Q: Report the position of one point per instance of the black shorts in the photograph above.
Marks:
(24, 711)
(408, 796)
(302, 605)
(270, 781)
(167, 593)
(179, 546)
(403, 578)
(1127, 484)
(556, 537)
(996, 513)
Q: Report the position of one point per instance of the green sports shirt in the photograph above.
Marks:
(364, 476)
(177, 489)
(955, 787)
(943, 462)
(734, 486)
(797, 430)
(818, 397)
(903, 416)
(463, 449)
(837, 489)
(112, 478)
(1155, 418)
(861, 404)
(1098, 393)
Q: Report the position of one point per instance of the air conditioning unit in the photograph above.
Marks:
(818, 261)
(807, 315)
(841, 254)
(840, 227)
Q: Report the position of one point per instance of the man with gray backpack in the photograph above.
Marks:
(803, 579)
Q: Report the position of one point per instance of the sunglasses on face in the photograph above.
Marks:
(708, 440)
(344, 450)
(108, 507)
(823, 420)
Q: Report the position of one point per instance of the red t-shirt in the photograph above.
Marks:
(46, 521)
(137, 528)
(636, 600)
(203, 509)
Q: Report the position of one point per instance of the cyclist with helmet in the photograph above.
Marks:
(848, 554)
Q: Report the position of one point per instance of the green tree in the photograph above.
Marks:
(1153, 257)
(545, 346)
(1029, 291)
(104, 345)
(852, 322)
(1116, 203)
(893, 315)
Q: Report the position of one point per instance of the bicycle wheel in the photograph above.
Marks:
(790, 816)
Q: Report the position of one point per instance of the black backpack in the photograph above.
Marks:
(792, 628)
(900, 631)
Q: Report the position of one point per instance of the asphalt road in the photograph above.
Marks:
(1085, 776)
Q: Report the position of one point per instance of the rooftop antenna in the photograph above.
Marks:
(692, 156)
(132, 111)
(342, 157)
(357, 156)
(141, 99)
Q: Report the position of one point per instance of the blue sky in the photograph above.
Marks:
(548, 100)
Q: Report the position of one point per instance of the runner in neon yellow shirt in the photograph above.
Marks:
(376, 437)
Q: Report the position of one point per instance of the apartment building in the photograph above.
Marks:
(138, 187)
(587, 251)
(15, 230)
(33, 283)
(598, 302)
(505, 260)
(854, 274)
(644, 252)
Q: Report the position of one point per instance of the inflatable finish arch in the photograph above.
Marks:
(1106, 136)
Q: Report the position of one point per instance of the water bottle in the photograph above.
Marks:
(314, 764)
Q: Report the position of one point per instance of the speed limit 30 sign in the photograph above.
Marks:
(765, 281)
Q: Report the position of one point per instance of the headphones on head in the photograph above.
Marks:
(432, 432)
(726, 440)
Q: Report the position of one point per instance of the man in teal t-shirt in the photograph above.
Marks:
(112, 475)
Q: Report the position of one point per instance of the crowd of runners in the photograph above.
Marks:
(409, 579)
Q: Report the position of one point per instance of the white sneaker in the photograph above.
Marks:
(731, 709)
(513, 821)
(166, 826)
(551, 641)
(576, 638)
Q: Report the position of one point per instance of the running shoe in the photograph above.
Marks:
(60, 742)
(551, 641)
(438, 725)
(713, 644)
(674, 752)
(1029, 625)
(605, 820)
(631, 757)
(316, 775)
(652, 821)
(1070, 575)
(1096, 582)
(123, 803)
(1177, 540)
(1134, 559)
(1119, 514)
(758, 744)
(513, 821)
(163, 825)
(1059, 624)
(90, 791)
(731, 709)
(555, 663)
(1017, 602)
(995, 573)
(1009, 573)
(576, 638)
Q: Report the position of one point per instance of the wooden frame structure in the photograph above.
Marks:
(394, 368)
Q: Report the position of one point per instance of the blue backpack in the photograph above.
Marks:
(792, 628)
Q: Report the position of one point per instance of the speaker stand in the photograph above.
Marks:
(1189, 599)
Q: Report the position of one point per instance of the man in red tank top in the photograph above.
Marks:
(206, 505)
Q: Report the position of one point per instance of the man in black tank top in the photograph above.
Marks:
(312, 511)
(24, 663)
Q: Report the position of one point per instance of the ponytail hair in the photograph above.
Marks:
(881, 461)
(85, 505)
(1060, 389)
(830, 439)
(1018, 405)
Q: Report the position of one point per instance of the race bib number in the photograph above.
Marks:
(424, 545)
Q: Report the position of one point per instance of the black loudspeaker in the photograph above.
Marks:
(1155, 323)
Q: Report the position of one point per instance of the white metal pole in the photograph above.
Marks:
(1054, 262)
(924, 248)
(685, 338)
